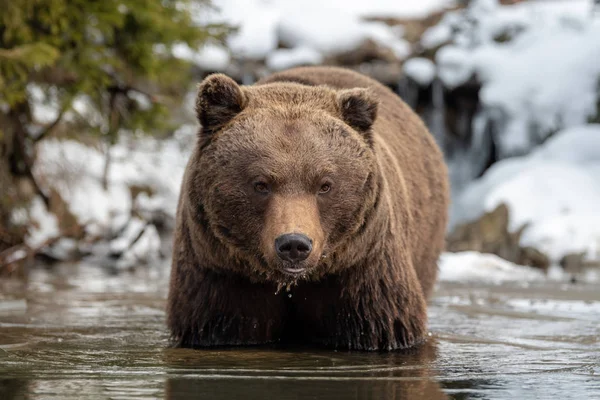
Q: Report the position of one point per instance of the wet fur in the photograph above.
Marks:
(377, 269)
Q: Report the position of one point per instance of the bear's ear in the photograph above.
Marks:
(219, 99)
(359, 109)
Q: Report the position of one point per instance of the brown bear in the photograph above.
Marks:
(312, 211)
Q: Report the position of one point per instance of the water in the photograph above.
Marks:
(79, 331)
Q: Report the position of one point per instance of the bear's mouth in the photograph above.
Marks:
(294, 269)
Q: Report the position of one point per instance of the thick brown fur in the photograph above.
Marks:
(376, 234)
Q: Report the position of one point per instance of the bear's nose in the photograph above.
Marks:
(293, 247)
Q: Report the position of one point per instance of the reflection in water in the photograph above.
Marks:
(13, 389)
(77, 331)
(299, 375)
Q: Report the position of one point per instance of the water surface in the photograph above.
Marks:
(80, 331)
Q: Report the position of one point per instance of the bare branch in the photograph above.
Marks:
(53, 125)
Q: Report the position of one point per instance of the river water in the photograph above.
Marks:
(80, 331)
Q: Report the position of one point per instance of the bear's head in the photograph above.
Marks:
(285, 173)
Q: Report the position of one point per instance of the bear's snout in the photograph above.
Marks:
(293, 247)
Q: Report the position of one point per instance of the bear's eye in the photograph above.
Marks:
(261, 187)
(326, 187)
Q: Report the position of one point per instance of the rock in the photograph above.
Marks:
(534, 258)
(490, 234)
(368, 51)
(67, 222)
(578, 262)
(15, 261)
(63, 249)
(387, 73)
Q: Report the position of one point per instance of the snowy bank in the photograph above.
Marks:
(142, 190)
(475, 267)
(555, 191)
(535, 61)
(470, 266)
(310, 30)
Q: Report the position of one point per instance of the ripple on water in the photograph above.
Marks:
(78, 332)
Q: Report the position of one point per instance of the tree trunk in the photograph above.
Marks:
(106, 171)
(111, 137)
(16, 178)
(9, 236)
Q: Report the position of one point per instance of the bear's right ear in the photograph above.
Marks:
(219, 99)
(359, 110)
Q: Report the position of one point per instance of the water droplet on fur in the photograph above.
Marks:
(290, 295)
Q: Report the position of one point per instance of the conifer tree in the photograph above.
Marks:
(113, 55)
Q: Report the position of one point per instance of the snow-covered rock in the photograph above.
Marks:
(454, 65)
(555, 191)
(210, 57)
(42, 225)
(75, 171)
(144, 250)
(421, 70)
(133, 230)
(287, 58)
(535, 61)
(312, 29)
(471, 266)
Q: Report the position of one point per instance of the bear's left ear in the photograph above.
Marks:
(359, 110)
(219, 99)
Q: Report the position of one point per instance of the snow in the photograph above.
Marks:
(210, 57)
(436, 35)
(376, 8)
(539, 81)
(555, 191)
(43, 226)
(552, 98)
(470, 266)
(287, 58)
(554, 307)
(454, 66)
(577, 145)
(256, 22)
(142, 100)
(131, 233)
(540, 84)
(421, 70)
(308, 28)
(545, 189)
(145, 250)
(83, 108)
(558, 235)
(75, 171)
(15, 256)
(43, 104)
(317, 29)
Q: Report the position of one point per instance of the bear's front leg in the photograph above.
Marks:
(380, 308)
(214, 308)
